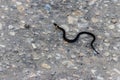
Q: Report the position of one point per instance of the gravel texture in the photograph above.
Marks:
(32, 49)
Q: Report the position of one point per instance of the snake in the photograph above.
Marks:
(77, 37)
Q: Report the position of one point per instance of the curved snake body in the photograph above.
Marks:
(77, 37)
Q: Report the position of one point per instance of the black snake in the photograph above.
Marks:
(76, 38)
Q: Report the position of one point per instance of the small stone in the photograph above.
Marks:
(31, 75)
(18, 3)
(58, 56)
(49, 56)
(81, 54)
(47, 7)
(101, 48)
(6, 8)
(116, 70)
(115, 59)
(100, 37)
(73, 56)
(46, 66)
(107, 34)
(115, 1)
(92, 2)
(69, 64)
(20, 8)
(2, 17)
(104, 67)
(94, 20)
(63, 79)
(93, 71)
(100, 78)
(115, 48)
(111, 26)
(118, 25)
(97, 13)
(114, 21)
(12, 33)
(114, 55)
(22, 21)
(72, 19)
(106, 40)
(10, 26)
(106, 53)
(107, 44)
(77, 13)
(75, 75)
(35, 56)
(2, 46)
(34, 46)
(0, 26)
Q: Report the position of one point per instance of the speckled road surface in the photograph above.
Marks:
(32, 49)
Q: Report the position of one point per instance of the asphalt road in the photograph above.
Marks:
(31, 48)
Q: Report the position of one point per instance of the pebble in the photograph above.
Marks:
(77, 13)
(92, 2)
(111, 26)
(115, 1)
(73, 56)
(34, 46)
(97, 13)
(72, 20)
(115, 48)
(107, 34)
(116, 70)
(32, 75)
(46, 66)
(20, 8)
(81, 54)
(114, 20)
(69, 64)
(2, 17)
(0, 26)
(106, 53)
(107, 44)
(12, 33)
(100, 37)
(118, 25)
(6, 8)
(10, 27)
(47, 7)
(63, 79)
(35, 56)
(22, 21)
(58, 56)
(115, 59)
(100, 78)
(106, 40)
(18, 3)
(94, 20)
(2, 46)
(75, 75)
(93, 71)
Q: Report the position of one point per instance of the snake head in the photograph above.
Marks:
(56, 26)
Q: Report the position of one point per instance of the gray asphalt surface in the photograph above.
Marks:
(31, 48)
